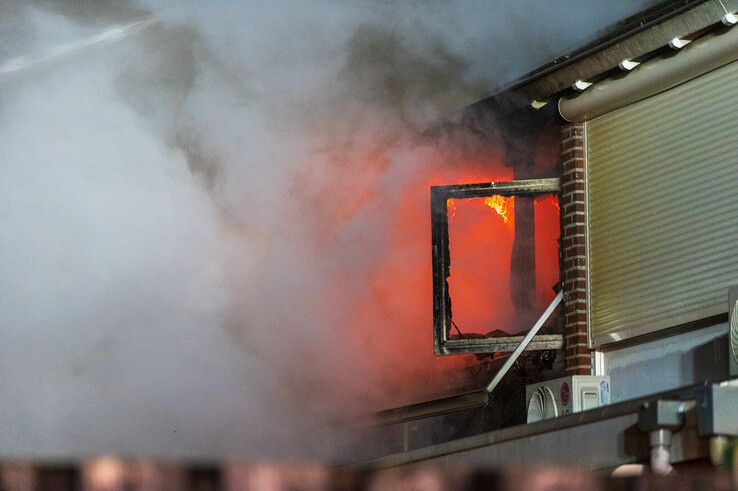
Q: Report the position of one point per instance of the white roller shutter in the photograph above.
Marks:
(662, 185)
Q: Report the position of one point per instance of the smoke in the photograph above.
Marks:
(214, 236)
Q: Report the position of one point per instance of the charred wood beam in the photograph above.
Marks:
(502, 344)
(437, 407)
(521, 187)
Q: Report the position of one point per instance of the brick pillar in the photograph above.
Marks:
(578, 359)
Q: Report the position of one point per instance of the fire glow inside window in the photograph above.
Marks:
(495, 260)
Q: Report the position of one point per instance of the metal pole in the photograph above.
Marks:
(526, 340)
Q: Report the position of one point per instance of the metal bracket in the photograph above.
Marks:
(660, 418)
(659, 414)
(717, 409)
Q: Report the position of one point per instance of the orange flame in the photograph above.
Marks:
(503, 206)
(451, 207)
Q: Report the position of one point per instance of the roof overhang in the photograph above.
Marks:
(640, 38)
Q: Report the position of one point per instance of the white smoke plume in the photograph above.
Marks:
(209, 212)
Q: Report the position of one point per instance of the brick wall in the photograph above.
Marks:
(573, 250)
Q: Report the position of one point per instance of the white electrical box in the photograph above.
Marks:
(566, 395)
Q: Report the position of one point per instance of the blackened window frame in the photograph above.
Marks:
(442, 344)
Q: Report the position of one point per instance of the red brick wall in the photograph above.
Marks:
(573, 249)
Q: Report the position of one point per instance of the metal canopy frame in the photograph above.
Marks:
(440, 195)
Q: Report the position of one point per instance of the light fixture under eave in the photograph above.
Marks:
(678, 43)
(628, 65)
(536, 104)
(730, 19)
(581, 85)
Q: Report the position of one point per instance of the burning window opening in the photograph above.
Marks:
(479, 221)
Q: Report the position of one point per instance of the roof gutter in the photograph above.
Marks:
(634, 43)
(699, 57)
(595, 47)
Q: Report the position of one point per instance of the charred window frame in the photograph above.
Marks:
(442, 324)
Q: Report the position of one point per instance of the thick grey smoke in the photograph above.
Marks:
(198, 219)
